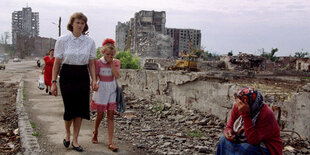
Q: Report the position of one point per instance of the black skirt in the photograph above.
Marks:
(75, 88)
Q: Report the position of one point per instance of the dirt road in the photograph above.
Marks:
(45, 115)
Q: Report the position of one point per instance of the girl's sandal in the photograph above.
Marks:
(94, 139)
(112, 148)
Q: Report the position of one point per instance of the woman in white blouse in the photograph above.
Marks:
(75, 54)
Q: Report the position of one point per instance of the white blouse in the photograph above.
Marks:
(75, 50)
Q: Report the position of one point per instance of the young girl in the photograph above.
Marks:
(107, 69)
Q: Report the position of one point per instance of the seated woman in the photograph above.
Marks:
(252, 127)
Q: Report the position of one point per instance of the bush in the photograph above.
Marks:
(128, 61)
(301, 54)
(98, 53)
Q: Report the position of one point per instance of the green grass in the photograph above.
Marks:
(24, 94)
(196, 133)
(36, 134)
(306, 78)
(158, 107)
(33, 125)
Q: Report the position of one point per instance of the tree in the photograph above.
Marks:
(230, 53)
(271, 55)
(210, 56)
(198, 53)
(301, 54)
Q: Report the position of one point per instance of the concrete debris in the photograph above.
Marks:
(174, 131)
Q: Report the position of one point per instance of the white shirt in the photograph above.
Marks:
(75, 50)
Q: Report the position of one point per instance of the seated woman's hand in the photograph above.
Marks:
(229, 135)
(243, 106)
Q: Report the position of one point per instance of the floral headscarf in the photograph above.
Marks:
(255, 101)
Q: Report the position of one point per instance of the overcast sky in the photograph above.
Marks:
(238, 25)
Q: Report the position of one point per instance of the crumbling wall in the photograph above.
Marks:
(208, 92)
(295, 112)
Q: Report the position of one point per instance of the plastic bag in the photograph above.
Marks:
(41, 85)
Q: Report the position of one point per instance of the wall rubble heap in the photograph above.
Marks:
(212, 92)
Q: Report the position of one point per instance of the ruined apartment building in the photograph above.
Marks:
(147, 36)
(183, 38)
(144, 35)
(25, 23)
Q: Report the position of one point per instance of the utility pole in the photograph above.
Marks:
(59, 26)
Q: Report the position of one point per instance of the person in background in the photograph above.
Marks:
(75, 54)
(47, 70)
(252, 127)
(39, 63)
(104, 100)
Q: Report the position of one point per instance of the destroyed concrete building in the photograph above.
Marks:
(183, 38)
(147, 36)
(144, 35)
(24, 23)
(121, 35)
(244, 62)
(303, 64)
(33, 46)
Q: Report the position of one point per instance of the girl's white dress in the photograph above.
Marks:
(105, 97)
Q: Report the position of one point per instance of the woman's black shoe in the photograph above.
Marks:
(46, 90)
(78, 149)
(50, 93)
(66, 143)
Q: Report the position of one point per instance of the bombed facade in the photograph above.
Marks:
(147, 36)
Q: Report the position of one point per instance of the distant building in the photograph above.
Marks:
(33, 46)
(182, 39)
(24, 23)
(146, 35)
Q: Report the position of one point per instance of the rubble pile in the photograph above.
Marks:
(167, 129)
(9, 133)
(248, 62)
(164, 128)
(293, 145)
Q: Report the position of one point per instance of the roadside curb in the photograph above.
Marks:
(29, 143)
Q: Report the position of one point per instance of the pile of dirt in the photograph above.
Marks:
(9, 132)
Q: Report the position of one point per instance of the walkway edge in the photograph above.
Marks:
(29, 142)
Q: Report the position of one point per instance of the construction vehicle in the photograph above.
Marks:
(186, 62)
(150, 64)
